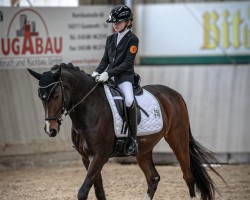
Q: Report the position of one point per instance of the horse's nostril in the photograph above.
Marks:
(52, 133)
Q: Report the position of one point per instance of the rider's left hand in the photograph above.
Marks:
(103, 77)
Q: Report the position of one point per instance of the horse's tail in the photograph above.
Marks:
(199, 158)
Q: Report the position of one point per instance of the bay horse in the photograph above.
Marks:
(64, 87)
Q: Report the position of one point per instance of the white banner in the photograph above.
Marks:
(43, 37)
(194, 29)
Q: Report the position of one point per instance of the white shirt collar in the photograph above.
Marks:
(121, 35)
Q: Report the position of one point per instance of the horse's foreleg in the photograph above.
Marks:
(98, 185)
(99, 190)
(78, 141)
(93, 177)
(147, 165)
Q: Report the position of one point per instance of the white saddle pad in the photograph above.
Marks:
(148, 125)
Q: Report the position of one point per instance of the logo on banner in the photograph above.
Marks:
(28, 39)
(228, 29)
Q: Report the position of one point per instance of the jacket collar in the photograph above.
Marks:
(122, 40)
(121, 35)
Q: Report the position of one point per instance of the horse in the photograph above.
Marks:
(66, 88)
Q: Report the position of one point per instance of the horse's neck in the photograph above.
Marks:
(89, 111)
(80, 87)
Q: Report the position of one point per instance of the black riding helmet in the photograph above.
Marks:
(120, 13)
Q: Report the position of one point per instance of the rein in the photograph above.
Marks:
(89, 92)
(59, 121)
(62, 109)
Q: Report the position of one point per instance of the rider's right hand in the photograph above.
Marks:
(95, 75)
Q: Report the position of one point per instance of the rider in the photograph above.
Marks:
(119, 55)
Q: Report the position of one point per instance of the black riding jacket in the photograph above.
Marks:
(120, 58)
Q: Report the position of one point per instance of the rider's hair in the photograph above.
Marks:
(129, 26)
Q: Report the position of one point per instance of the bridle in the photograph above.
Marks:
(62, 108)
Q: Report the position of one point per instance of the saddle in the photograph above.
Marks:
(121, 144)
(119, 98)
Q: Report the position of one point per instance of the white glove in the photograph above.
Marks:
(94, 74)
(103, 77)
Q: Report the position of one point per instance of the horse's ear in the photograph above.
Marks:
(57, 74)
(35, 74)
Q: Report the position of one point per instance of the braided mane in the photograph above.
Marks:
(68, 66)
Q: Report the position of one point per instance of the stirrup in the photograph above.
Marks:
(133, 148)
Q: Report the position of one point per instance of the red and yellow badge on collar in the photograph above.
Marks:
(133, 49)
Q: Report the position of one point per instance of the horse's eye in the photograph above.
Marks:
(56, 96)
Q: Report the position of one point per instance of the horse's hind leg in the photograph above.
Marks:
(147, 165)
(178, 140)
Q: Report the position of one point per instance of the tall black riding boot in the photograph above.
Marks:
(132, 122)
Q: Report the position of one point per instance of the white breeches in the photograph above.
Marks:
(127, 90)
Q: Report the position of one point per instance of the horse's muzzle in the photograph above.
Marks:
(52, 133)
(51, 128)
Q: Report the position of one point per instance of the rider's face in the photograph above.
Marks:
(119, 26)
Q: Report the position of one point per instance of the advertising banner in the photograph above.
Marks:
(43, 37)
(209, 32)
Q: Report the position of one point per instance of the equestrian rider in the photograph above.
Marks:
(119, 55)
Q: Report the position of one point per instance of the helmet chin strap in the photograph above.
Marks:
(124, 28)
